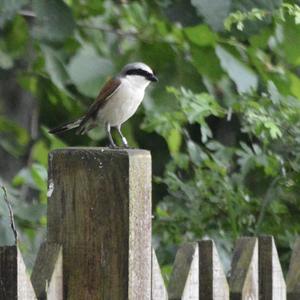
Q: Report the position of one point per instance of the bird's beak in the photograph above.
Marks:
(153, 78)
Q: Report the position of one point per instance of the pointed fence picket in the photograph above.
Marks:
(293, 275)
(14, 281)
(184, 282)
(158, 288)
(48, 277)
(99, 243)
(243, 279)
(255, 272)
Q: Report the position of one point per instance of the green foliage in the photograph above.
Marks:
(15, 137)
(244, 78)
(87, 70)
(54, 20)
(223, 123)
(213, 12)
(29, 218)
(238, 18)
(9, 8)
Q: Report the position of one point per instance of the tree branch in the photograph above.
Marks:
(108, 29)
(31, 14)
(11, 215)
(27, 13)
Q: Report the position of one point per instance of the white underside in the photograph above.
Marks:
(124, 102)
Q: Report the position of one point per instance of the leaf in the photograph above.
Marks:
(54, 20)
(40, 152)
(6, 61)
(23, 177)
(88, 70)
(164, 122)
(256, 7)
(39, 175)
(261, 40)
(197, 107)
(31, 213)
(55, 67)
(35, 177)
(274, 93)
(206, 133)
(201, 35)
(291, 42)
(294, 85)
(214, 12)
(9, 8)
(247, 5)
(244, 78)
(206, 62)
(14, 138)
(174, 141)
(90, 8)
(195, 152)
(275, 132)
(297, 14)
(180, 11)
(16, 38)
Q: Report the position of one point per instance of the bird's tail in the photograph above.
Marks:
(66, 127)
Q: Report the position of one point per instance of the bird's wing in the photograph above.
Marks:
(105, 94)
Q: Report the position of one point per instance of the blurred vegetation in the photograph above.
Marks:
(223, 123)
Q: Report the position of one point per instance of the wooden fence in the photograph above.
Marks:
(99, 243)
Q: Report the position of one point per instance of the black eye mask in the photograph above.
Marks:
(149, 76)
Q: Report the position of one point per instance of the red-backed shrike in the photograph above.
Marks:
(117, 101)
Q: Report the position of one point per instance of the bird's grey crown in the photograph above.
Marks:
(136, 66)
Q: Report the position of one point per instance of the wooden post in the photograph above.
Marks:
(293, 276)
(158, 288)
(244, 270)
(212, 280)
(14, 281)
(184, 281)
(271, 282)
(47, 272)
(99, 209)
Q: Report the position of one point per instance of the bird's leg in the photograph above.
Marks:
(124, 141)
(111, 141)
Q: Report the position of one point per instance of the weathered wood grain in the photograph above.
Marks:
(14, 281)
(212, 280)
(47, 275)
(99, 209)
(271, 282)
(184, 280)
(244, 270)
(158, 288)
(293, 275)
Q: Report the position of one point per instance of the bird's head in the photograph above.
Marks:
(139, 72)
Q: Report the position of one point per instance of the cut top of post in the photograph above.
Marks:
(103, 150)
(90, 179)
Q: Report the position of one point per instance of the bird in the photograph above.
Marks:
(116, 102)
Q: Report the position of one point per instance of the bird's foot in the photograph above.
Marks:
(113, 146)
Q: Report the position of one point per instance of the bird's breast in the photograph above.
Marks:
(122, 104)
